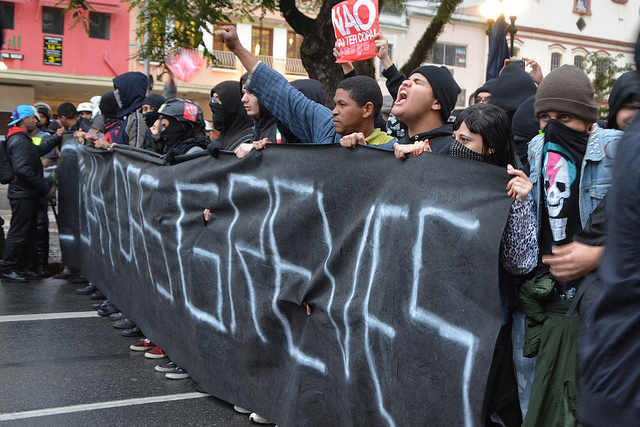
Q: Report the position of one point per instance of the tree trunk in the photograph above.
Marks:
(317, 47)
(424, 45)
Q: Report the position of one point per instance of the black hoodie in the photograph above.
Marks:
(626, 89)
(511, 88)
(237, 125)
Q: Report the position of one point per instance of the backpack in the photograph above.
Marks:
(6, 170)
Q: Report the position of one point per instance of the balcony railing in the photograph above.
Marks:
(266, 59)
(224, 59)
(294, 66)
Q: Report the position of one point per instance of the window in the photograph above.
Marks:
(6, 16)
(449, 54)
(582, 7)
(261, 41)
(100, 24)
(462, 98)
(294, 40)
(52, 21)
(217, 43)
(578, 62)
(556, 59)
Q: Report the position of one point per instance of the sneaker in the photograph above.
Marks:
(117, 316)
(143, 345)
(177, 374)
(124, 323)
(155, 353)
(258, 419)
(241, 410)
(87, 290)
(167, 367)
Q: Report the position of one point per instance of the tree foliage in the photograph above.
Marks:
(603, 71)
(164, 26)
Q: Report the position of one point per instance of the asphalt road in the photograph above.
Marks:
(63, 365)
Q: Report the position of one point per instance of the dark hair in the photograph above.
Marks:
(67, 110)
(493, 125)
(363, 89)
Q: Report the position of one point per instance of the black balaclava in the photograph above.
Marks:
(457, 149)
(176, 132)
(236, 124)
(150, 117)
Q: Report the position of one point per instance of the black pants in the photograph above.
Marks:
(20, 241)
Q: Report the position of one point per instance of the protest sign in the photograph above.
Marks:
(355, 23)
(184, 64)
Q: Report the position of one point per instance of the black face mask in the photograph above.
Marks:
(217, 119)
(570, 139)
(458, 149)
(150, 118)
(173, 134)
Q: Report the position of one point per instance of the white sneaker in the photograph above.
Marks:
(177, 374)
(241, 410)
(258, 419)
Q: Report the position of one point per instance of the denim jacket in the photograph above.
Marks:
(596, 172)
(308, 120)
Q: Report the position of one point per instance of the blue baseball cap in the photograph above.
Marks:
(22, 112)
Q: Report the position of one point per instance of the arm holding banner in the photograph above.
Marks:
(519, 244)
(309, 121)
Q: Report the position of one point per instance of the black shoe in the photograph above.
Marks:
(134, 332)
(88, 290)
(124, 324)
(80, 281)
(30, 275)
(13, 277)
(43, 273)
(99, 305)
(117, 316)
(107, 310)
(97, 295)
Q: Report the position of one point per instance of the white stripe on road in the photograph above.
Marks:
(48, 316)
(101, 405)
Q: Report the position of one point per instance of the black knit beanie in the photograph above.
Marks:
(154, 100)
(567, 90)
(445, 89)
(486, 87)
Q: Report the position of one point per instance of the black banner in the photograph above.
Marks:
(397, 262)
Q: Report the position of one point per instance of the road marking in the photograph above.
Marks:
(101, 405)
(48, 316)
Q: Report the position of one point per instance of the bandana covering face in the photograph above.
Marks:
(458, 149)
(217, 118)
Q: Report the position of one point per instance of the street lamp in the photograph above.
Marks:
(493, 9)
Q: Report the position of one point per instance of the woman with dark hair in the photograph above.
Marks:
(485, 130)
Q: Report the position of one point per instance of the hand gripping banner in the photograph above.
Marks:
(330, 287)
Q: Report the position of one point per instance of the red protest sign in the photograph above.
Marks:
(184, 64)
(355, 23)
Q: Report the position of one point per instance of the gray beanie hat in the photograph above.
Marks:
(567, 90)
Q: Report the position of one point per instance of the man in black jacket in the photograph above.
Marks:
(25, 190)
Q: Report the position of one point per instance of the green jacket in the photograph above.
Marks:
(552, 337)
